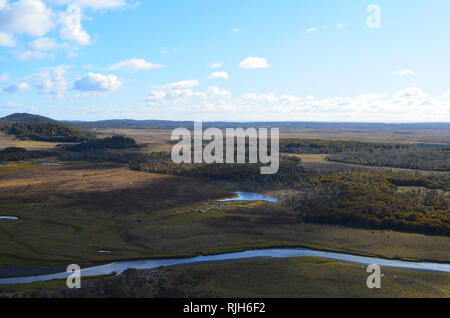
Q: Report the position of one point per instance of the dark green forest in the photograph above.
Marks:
(108, 143)
(19, 154)
(46, 132)
(435, 158)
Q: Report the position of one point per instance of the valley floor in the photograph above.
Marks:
(74, 212)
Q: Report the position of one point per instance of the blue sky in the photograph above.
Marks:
(226, 60)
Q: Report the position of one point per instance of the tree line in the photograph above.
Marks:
(433, 158)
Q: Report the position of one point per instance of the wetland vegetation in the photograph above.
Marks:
(119, 192)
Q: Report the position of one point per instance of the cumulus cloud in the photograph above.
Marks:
(16, 88)
(218, 75)
(36, 18)
(340, 26)
(30, 17)
(135, 65)
(447, 94)
(404, 72)
(253, 62)
(406, 105)
(173, 96)
(235, 30)
(313, 29)
(183, 92)
(97, 83)
(7, 40)
(71, 29)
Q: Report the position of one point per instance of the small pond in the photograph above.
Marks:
(248, 196)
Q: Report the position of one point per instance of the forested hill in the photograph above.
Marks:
(27, 118)
(39, 128)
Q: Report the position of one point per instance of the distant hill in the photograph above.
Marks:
(75, 130)
(132, 124)
(40, 128)
(284, 126)
(27, 118)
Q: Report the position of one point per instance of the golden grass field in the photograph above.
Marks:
(8, 141)
(428, 136)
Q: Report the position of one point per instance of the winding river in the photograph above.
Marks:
(120, 267)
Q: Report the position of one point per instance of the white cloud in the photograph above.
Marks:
(313, 29)
(135, 65)
(253, 62)
(340, 26)
(7, 40)
(217, 75)
(409, 105)
(71, 29)
(43, 44)
(411, 92)
(179, 92)
(447, 94)
(16, 88)
(404, 72)
(173, 96)
(31, 17)
(179, 85)
(156, 96)
(235, 29)
(36, 18)
(216, 65)
(97, 83)
(56, 85)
